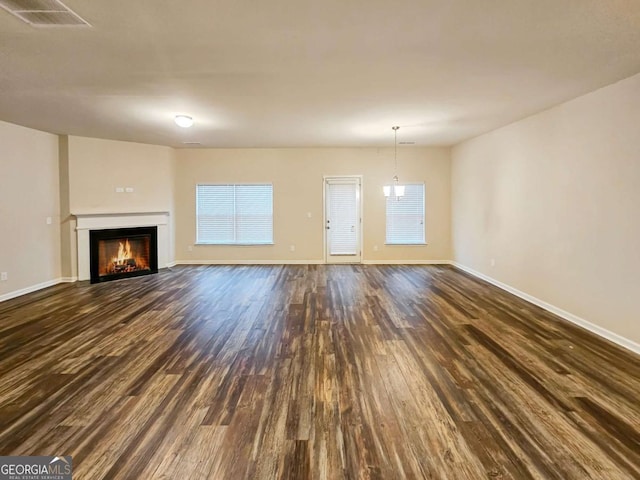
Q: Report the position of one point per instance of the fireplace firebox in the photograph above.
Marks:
(123, 252)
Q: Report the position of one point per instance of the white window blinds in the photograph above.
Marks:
(343, 219)
(405, 217)
(240, 214)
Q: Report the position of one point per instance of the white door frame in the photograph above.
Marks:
(324, 212)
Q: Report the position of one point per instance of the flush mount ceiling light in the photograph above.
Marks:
(184, 121)
(398, 190)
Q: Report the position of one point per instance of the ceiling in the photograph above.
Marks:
(290, 73)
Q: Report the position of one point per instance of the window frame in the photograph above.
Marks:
(235, 244)
(424, 218)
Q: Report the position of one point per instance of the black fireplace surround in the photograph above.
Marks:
(123, 252)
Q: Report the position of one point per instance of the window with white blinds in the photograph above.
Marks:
(238, 214)
(405, 217)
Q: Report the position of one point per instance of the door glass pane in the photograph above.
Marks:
(343, 235)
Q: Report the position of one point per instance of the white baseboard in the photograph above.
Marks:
(248, 262)
(406, 262)
(30, 289)
(304, 262)
(68, 279)
(581, 322)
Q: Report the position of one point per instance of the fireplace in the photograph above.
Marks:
(123, 252)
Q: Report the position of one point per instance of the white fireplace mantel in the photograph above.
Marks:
(86, 222)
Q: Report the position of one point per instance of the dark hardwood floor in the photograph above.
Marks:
(324, 372)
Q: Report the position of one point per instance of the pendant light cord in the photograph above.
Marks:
(395, 152)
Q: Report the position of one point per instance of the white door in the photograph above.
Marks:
(342, 220)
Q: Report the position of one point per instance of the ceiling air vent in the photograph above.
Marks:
(43, 13)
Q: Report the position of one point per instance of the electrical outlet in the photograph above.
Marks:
(190, 248)
(4, 276)
(119, 190)
(308, 214)
(493, 262)
(375, 248)
(292, 248)
(129, 189)
(49, 220)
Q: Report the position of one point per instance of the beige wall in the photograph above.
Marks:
(29, 248)
(97, 167)
(554, 200)
(297, 176)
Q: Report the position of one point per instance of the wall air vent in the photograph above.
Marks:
(192, 144)
(406, 143)
(44, 13)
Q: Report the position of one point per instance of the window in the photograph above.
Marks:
(405, 217)
(240, 214)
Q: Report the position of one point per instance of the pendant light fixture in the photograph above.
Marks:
(398, 190)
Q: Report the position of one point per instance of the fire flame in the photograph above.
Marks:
(127, 260)
(124, 253)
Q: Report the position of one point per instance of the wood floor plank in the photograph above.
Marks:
(312, 372)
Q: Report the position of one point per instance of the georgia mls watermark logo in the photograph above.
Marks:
(35, 468)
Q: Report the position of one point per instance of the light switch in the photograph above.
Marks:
(49, 220)
(129, 189)
(119, 190)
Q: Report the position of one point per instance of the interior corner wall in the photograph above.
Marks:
(172, 216)
(68, 252)
(553, 199)
(29, 246)
(297, 177)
